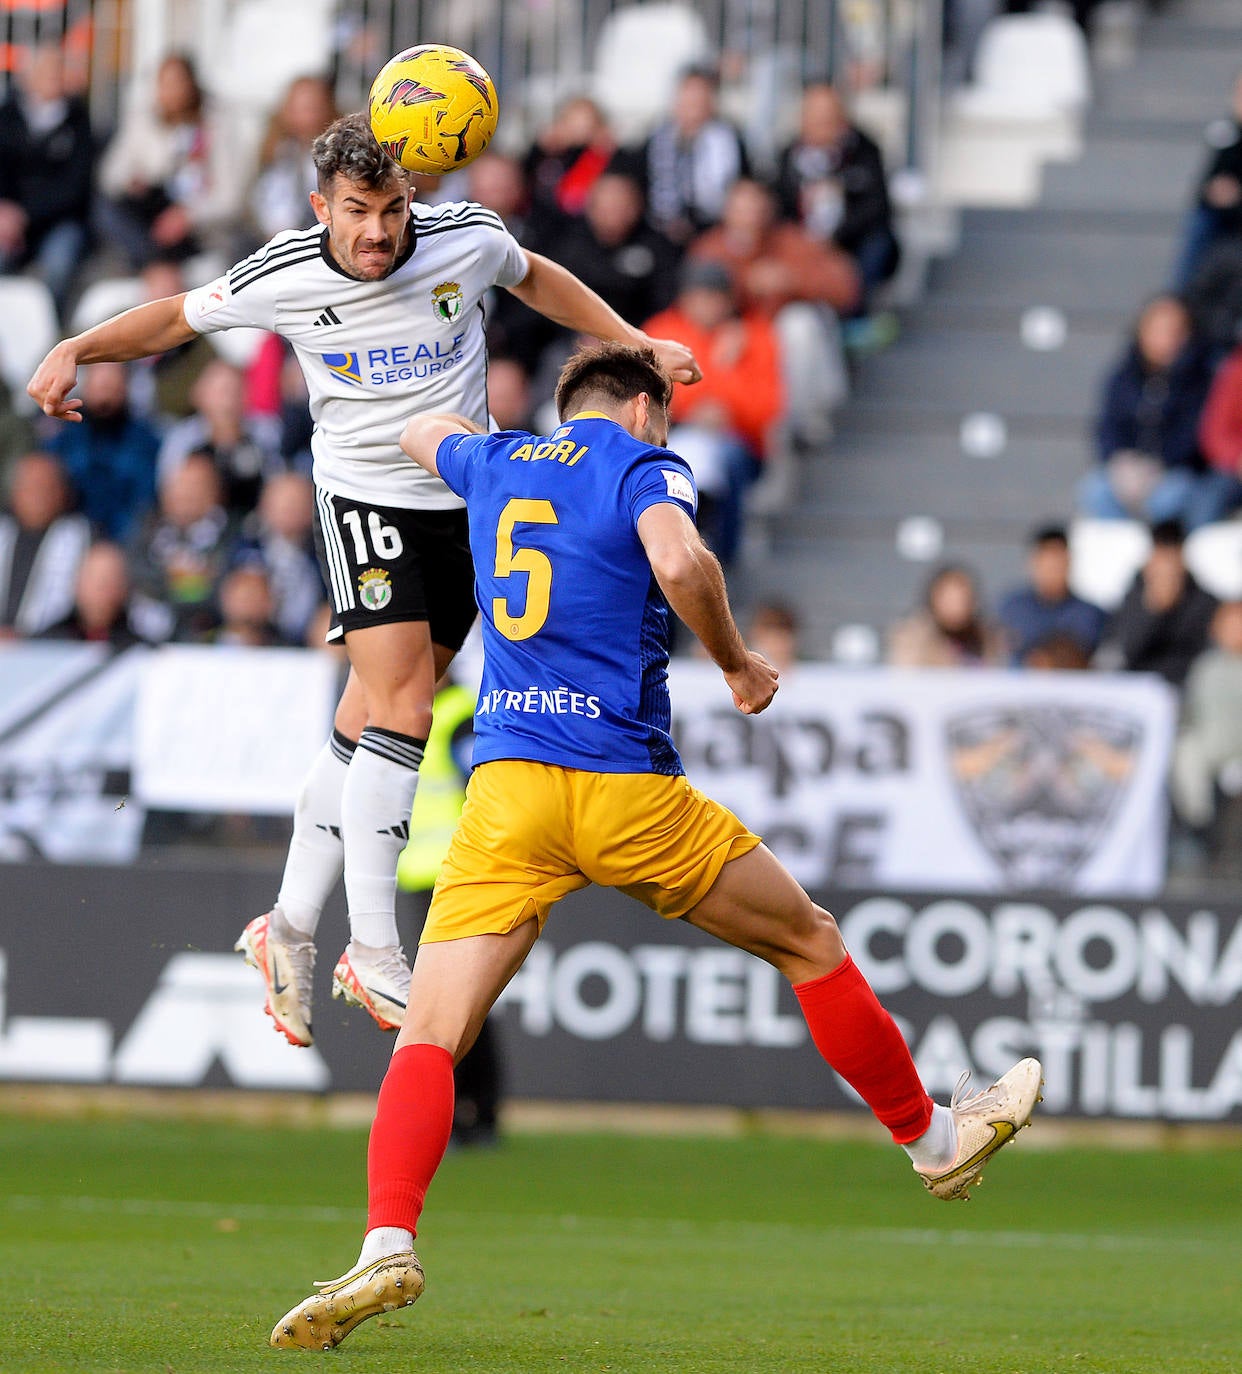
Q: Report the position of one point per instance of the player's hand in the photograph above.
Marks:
(54, 379)
(677, 361)
(753, 685)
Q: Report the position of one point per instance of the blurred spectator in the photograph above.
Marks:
(110, 456)
(280, 195)
(567, 158)
(41, 546)
(1147, 432)
(1217, 211)
(16, 434)
(245, 448)
(1162, 624)
(773, 632)
(183, 547)
(514, 330)
(803, 284)
(950, 629)
(1032, 615)
(1210, 739)
(691, 160)
(160, 386)
(509, 399)
(1220, 428)
(173, 176)
(616, 252)
(246, 610)
(100, 613)
(832, 180)
(47, 160)
(1057, 652)
(279, 543)
(724, 425)
(317, 637)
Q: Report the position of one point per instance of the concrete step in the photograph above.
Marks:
(1125, 174)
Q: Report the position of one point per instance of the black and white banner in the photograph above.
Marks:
(976, 781)
(1133, 1008)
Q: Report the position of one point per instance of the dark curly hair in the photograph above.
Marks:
(347, 148)
(613, 373)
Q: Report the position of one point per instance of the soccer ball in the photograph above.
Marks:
(433, 109)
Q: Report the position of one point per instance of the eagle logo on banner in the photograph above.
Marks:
(1041, 783)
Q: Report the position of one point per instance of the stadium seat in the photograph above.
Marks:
(103, 299)
(264, 45)
(28, 329)
(1214, 557)
(238, 346)
(1032, 84)
(1104, 556)
(640, 52)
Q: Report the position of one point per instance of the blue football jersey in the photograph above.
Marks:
(575, 627)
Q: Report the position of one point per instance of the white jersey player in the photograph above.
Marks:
(382, 303)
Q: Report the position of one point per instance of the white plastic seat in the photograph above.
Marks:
(28, 328)
(103, 299)
(1214, 557)
(266, 44)
(1104, 556)
(1029, 66)
(640, 52)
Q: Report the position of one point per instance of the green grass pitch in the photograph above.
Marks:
(173, 1247)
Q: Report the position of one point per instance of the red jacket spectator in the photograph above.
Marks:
(1220, 428)
(773, 264)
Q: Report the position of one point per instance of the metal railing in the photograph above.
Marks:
(884, 51)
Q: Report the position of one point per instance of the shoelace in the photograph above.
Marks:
(985, 1097)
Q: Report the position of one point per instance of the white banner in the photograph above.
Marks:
(66, 739)
(231, 729)
(969, 781)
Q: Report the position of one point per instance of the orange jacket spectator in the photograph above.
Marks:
(772, 263)
(739, 355)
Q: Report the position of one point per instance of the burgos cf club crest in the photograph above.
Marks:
(447, 301)
(375, 588)
(1041, 783)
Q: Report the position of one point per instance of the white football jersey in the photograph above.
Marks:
(376, 352)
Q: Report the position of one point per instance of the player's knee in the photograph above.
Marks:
(827, 937)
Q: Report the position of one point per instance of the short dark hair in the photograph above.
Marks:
(1168, 534)
(347, 148)
(1051, 533)
(612, 373)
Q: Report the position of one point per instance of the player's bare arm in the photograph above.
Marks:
(139, 333)
(554, 291)
(690, 577)
(423, 435)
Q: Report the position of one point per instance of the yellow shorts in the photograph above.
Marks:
(531, 833)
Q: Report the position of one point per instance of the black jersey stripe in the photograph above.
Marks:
(310, 256)
(267, 255)
(261, 255)
(430, 222)
(461, 224)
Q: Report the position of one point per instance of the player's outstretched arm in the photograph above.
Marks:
(423, 435)
(690, 577)
(139, 333)
(554, 291)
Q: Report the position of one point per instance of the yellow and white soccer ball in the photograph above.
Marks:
(433, 109)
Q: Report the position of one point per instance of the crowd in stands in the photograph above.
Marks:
(185, 490)
(181, 507)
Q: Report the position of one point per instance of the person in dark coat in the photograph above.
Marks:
(101, 602)
(1163, 623)
(47, 159)
(1045, 607)
(1147, 433)
(1216, 214)
(831, 180)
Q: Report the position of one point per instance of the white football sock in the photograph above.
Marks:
(375, 825)
(383, 1241)
(315, 853)
(936, 1148)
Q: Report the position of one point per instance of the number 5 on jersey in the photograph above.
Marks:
(533, 562)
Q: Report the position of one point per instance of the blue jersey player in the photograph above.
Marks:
(583, 540)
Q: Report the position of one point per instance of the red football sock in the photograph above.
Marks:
(410, 1133)
(861, 1041)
